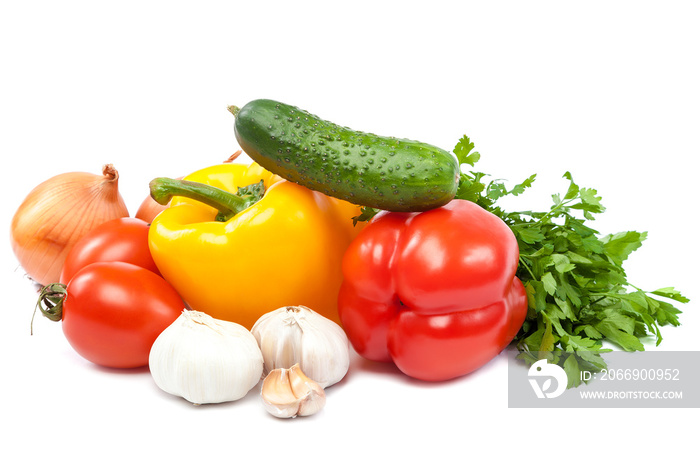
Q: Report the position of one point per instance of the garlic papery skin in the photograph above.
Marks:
(205, 360)
(298, 335)
(288, 393)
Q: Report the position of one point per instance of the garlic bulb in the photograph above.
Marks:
(289, 393)
(205, 360)
(298, 335)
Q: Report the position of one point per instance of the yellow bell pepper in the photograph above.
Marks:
(284, 249)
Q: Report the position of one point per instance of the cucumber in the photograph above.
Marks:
(386, 173)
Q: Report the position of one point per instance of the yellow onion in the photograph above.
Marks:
(59, 212)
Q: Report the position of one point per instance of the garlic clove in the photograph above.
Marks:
(277, 396)
(288, 393)
(311, 394)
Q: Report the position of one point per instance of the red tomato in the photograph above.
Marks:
(113, 312)
(119, 240)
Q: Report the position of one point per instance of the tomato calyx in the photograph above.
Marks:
(50, 302)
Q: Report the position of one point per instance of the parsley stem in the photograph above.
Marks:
(553, 210)
(524, 264)
(590, 305)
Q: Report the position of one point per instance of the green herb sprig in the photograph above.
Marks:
(577, 288)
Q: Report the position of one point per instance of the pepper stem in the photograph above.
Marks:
(228, 204)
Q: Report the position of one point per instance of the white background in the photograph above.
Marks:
(606, 90)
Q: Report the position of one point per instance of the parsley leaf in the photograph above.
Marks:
(463, 151)
(577, 288)
(366, 214)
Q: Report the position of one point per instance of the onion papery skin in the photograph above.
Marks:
(59, 212)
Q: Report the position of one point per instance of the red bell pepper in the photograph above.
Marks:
(435, 292)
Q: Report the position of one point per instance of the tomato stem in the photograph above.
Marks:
(50, 302)
(228, 204)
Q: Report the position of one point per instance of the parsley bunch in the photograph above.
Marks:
(577, 288)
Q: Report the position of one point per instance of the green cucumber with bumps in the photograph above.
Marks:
(386, 173)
